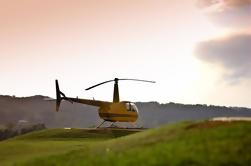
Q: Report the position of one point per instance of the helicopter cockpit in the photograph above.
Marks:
(131, 107)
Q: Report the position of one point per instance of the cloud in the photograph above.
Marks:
(232, 53)
(229, 13)
(228, 3)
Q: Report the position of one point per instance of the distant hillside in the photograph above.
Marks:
(37, 109)
(155, 114)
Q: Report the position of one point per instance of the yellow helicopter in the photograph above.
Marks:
(116, 111)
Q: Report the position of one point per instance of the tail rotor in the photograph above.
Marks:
(58, 95)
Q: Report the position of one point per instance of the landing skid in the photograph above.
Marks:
(112, 125)
(101, 124)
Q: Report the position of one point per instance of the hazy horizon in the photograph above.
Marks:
(198, 51)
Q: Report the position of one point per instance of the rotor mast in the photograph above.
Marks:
(116, 91)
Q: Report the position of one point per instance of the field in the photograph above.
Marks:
(186, 143)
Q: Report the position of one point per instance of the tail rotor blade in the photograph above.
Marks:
(58, 96)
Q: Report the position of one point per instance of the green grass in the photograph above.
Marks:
(51, 141)
(187, 143)
(75, 134)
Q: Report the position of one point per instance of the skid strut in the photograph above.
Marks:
(101, 124)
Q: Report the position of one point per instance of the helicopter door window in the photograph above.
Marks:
(133, 108)
(129, 107)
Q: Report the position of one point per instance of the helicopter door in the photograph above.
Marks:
(131, 107)
(128, 106)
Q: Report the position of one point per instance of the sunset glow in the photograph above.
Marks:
(85, 42)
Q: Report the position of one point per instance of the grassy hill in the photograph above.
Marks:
(186, 143)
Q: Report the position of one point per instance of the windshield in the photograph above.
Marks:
(131, 107)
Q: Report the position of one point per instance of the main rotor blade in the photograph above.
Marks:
(138, 80)
(116, 79)
(98, 84)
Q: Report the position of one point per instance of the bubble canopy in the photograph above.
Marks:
(131, 107)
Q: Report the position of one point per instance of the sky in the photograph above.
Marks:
(197, 51)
